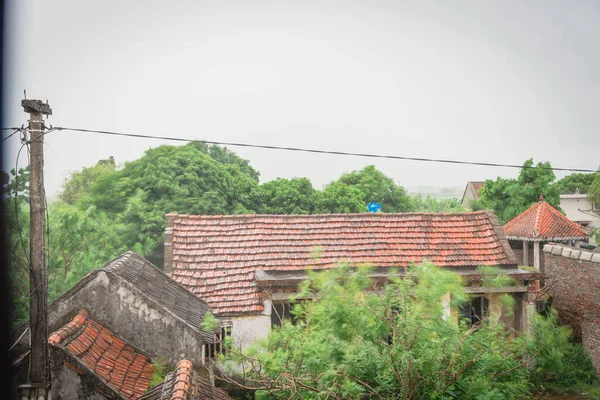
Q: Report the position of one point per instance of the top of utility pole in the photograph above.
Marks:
(36, 106)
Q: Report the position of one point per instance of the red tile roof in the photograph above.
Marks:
(185, 384)
(541, 221)
(216, 257)
(123, 368)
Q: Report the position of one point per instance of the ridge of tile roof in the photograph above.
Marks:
(70, 328)
(182, 386)
(216, 257)
(155, 285)
(542, 222)
(123, 368)
(185, 384)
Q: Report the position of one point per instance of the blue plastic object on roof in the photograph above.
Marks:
(374, 207)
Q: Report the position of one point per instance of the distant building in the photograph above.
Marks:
(472, 192)
(579, 209)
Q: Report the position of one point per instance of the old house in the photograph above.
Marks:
(247, 266)
(472, 192)
(110, 326)
(537, 225)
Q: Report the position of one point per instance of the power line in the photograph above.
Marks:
(317, 151)
(16, 130)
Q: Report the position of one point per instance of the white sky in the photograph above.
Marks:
(495, 81)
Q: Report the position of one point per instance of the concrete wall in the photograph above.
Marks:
(119, 306)
(74, 383)
(575, 278)
(245, 330)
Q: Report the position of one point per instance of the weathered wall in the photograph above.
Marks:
(68, 384)
(119, 306)
(245, 330)
(574, 276)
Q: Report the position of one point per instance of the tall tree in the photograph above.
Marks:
(79, 182)
(510, 197)
(576, 182)
(376, 186)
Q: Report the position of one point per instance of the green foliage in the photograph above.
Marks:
(594, 190)
(430, 204)
(559, 362)
(376, 186)
(575, 182)
(79, 182)
(510, 197)
(286, 196)
(160, 369)
(209, 323)
(351, 342)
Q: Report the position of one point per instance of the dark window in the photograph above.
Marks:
(217, 346)
(279, 313)
(475, 310)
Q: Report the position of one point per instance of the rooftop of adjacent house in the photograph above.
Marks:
(474, 188)
(185, 384)
(216, 257)
(124, 369)
(155, 285)
(542, 222)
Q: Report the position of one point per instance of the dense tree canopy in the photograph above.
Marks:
(510, 197)
(376, 186)
(576, 182)
(355, 340)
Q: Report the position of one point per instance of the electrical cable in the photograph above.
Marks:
(317, 151)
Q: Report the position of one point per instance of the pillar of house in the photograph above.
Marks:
(536, 255)
(525, 252)
(577, 244)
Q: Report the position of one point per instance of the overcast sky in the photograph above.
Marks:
(494, 81)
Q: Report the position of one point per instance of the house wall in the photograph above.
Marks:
(572, 203)
(118, 305)
(245, 330)
(68, 384)
(574, 276)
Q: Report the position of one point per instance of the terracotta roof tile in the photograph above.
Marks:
(215, 257)
(120, 365)
(185, 384)
(543, 222)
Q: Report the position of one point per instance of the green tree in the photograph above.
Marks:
(510, 197)
(16, 215)
(79, 182)
(575, 183)
(353, 343)
(594, 189)
(338, 198)
(376, 186)
(286, 196)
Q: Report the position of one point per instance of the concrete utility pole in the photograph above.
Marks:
(38, 314)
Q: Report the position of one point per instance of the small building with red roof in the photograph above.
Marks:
(542, 223)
